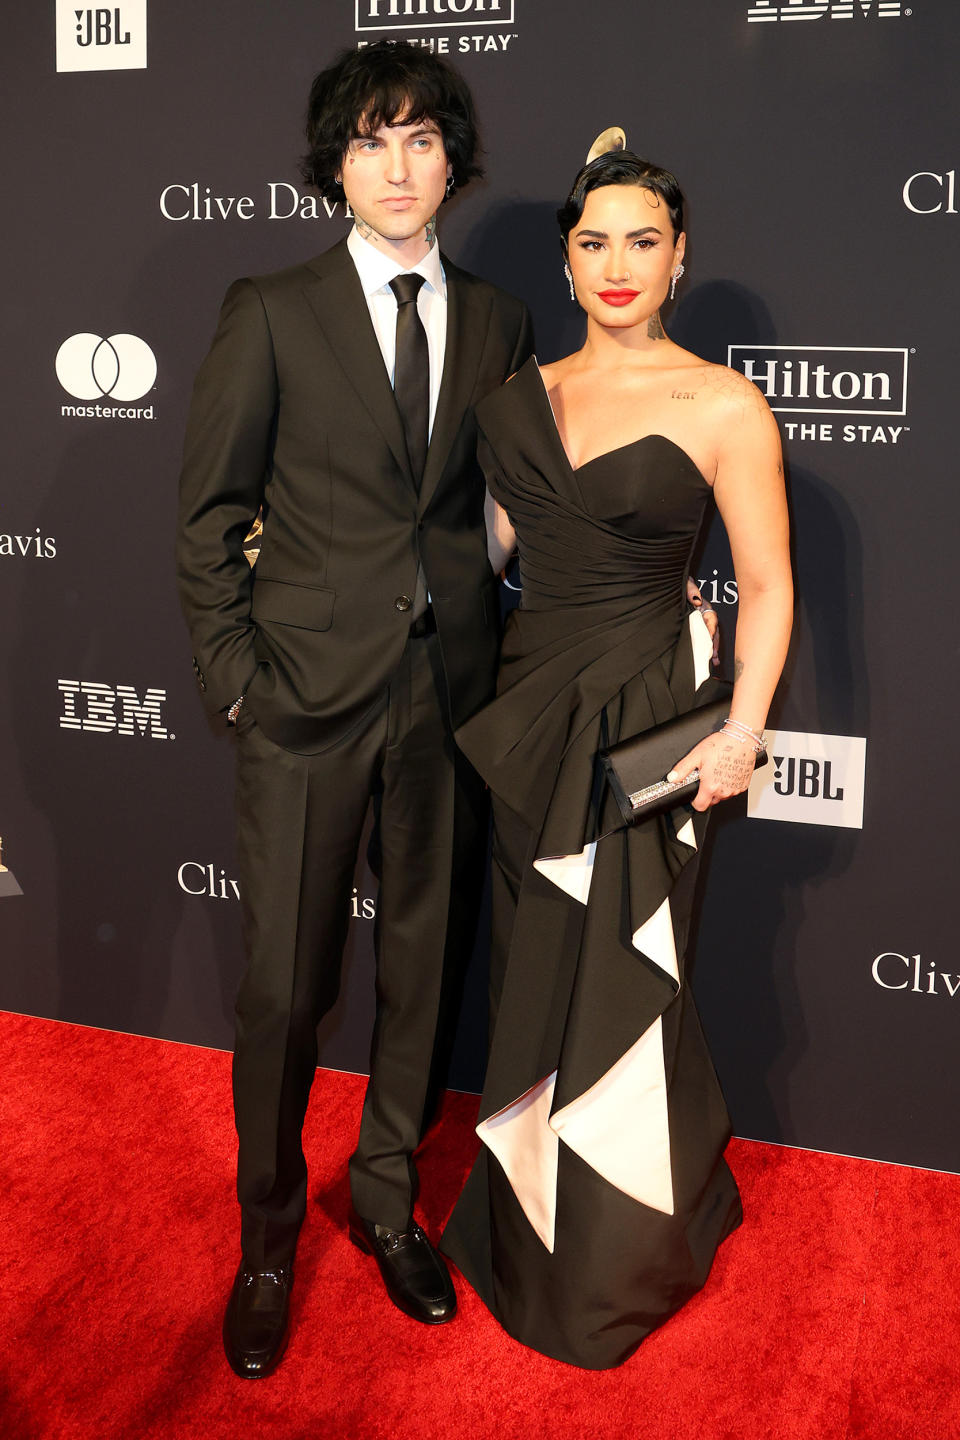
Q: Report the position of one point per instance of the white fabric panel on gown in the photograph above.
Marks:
(522, 1140)
(629, 1100)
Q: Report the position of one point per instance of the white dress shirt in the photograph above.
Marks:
(376, 270)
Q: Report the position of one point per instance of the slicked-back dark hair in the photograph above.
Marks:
(620, 167)
(379, 85)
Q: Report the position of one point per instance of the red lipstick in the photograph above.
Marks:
(618, 297)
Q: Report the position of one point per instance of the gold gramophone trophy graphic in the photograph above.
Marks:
(251, 546)
(8, 883)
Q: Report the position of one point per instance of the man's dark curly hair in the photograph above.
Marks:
(379, 85)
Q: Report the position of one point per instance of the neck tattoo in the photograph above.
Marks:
(367, 231)
(655, 330)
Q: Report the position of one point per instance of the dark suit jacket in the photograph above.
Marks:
(293, 408)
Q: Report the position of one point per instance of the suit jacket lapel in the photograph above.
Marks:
(467, 322)
(340, 309)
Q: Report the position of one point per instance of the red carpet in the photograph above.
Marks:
(832, 1313)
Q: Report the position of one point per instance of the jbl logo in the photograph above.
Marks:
(102, 37)
(103, 709)
(101, 27)
(814, 779)
(810, 779)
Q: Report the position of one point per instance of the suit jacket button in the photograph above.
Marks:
(403, 602)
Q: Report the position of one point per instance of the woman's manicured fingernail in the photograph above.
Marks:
(673, 777)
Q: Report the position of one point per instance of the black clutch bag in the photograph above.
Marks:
(636, 769)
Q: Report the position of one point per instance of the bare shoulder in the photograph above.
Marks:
(733, 416)
(733, 397)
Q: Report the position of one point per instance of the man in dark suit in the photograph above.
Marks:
(338, 395)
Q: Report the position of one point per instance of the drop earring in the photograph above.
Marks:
(675, 277)
(449, 187)
(573, 293)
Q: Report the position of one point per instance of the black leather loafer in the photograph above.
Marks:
(416, 1278)
(257, 1320)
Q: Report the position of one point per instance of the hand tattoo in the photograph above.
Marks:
(733, 767)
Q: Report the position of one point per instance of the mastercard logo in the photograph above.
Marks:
(122, 367)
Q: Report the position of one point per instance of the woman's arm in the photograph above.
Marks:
(501, 538)
(752, 502)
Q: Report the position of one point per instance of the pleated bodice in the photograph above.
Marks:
(604, 554)
(616, 529)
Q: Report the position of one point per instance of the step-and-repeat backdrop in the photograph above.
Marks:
(151, 157)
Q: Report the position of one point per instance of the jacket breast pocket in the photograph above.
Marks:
(309, 607)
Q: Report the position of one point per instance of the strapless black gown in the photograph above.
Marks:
(600, 1194)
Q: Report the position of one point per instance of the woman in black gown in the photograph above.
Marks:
(600, 1194)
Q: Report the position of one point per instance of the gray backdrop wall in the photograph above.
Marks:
(151, 158)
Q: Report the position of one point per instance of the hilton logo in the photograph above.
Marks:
(88, 705)
(827, 379)
(111, 37)
(431, 14)
(767, 10)
(813, 779)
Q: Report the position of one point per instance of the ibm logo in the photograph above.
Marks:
(110, 37)
(88, 705)
(827, 379)
(813, 779)
(769, 10)
(431, 14)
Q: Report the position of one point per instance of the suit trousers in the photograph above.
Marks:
(299, 824)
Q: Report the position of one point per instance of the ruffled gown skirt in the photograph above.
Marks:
(600, 1194)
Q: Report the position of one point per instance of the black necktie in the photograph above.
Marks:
(411, 383)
